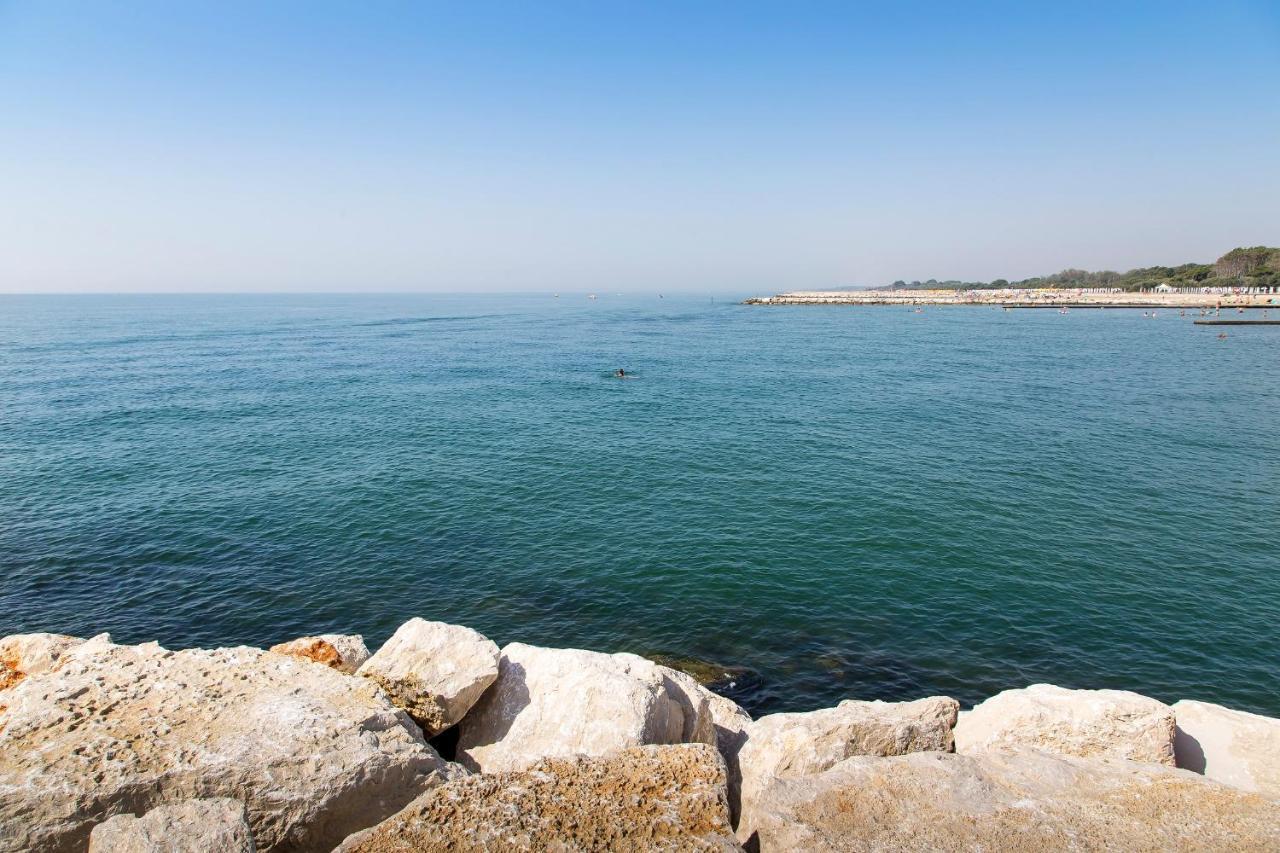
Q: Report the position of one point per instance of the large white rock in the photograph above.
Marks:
(192, 826)
(997, 801)
(1233, 747)
(1086, 723)
(343, 652)
(562, 702)
(435, 671)
(314, 754)
(22, 655)
(790, 746)
(637, 799)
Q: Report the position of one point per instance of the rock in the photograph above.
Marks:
(1085, 723)
(1029, 801)
(730, 723)
(697, 724)
(1232, 747)
(30, 654)
(642, 798)
(712, 675)
(562, 702)
(789, 746)
(192, 826)
(343, 652)
(314, 754)
(434, 671)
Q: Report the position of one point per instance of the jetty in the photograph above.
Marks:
(442, 740)
(1238, 322)
(1209, 298)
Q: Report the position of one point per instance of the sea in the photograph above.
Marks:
(826, 502)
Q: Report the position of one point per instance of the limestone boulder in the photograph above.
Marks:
(697, 722)
(31, 654)
(343, 652)
(563, 702)
(434, 671)
(1011, 801)
(1085, 723)
(641, 798)
(792, 746)
(1233, 747)
(312, 753)
(730, 722)
(192, 826)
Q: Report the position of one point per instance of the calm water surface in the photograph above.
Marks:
(852, 502)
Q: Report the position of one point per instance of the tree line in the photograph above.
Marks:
(1256, 266)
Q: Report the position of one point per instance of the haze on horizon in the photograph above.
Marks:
(570, 146)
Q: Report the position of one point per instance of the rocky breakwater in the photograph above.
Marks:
(315, 745)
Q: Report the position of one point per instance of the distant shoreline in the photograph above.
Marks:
(1039, 298)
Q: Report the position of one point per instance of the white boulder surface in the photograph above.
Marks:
(1085, 723)
(434, 671)
(192, 826)
(314, 754)
(22, 655)
(1233, 747)
(1011, 801)
(343, 652)
(563, 702)
(790, 746)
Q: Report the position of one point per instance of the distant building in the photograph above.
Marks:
(1163, 288)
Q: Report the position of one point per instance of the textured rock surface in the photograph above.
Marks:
(435, 671)
(343, 652)
(1086, 723)
(193, 826)
(30, 654)
(643, 798)
(789, 746)
(561, 702)
(1029, 801)
(314, 754)
(1233, 747)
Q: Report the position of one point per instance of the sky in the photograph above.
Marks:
(700, 146)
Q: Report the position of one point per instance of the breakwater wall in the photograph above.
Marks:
(443, 741)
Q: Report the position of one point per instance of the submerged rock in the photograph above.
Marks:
(434, 671)
(343, 652)
(709, 674)
(1085, 723)
(314, 754)
(22, 655)
(561, 702)
(642, 798)
(1029, 801)
(790, 746)
(1232, 747)
(192, 826)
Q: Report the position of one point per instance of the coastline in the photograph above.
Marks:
(441, 740)
(1041, 298)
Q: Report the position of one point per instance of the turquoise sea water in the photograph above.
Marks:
(851, 502)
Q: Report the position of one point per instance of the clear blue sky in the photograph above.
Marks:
(641, 146)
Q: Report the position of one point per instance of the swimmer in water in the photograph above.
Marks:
(620, 373)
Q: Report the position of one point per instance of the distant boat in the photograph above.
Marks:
(591, 296)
